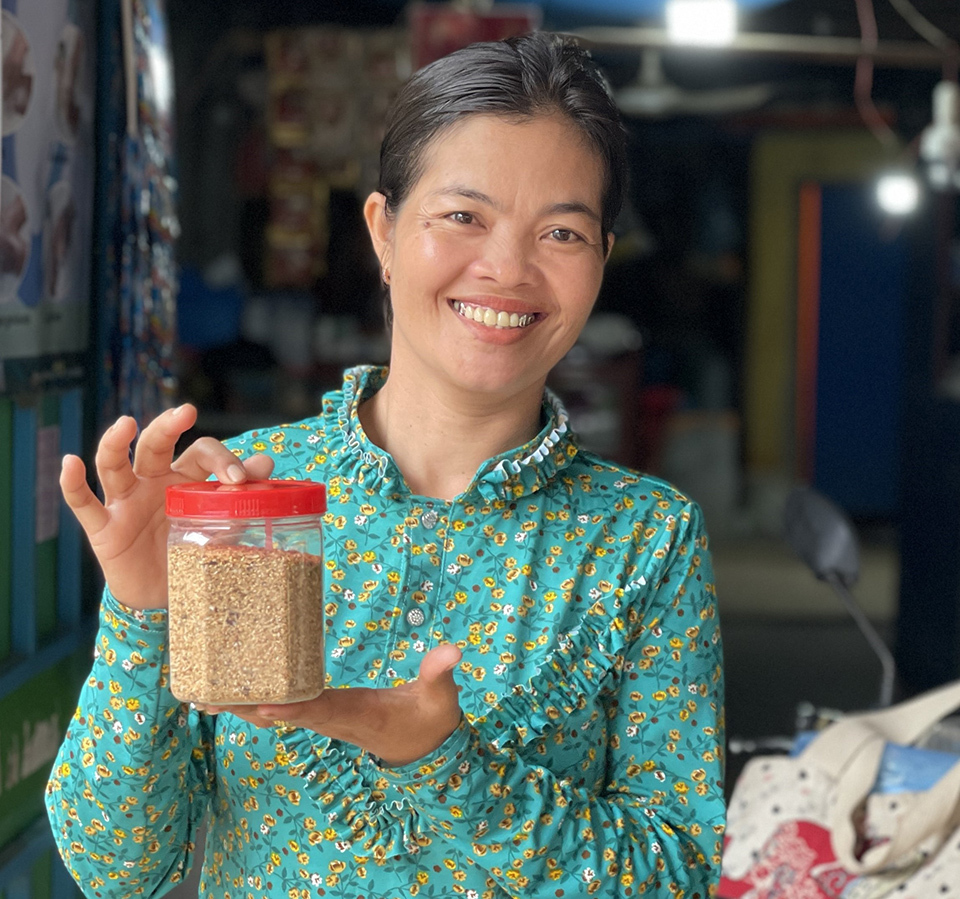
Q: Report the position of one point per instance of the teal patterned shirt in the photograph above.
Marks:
(588, 760)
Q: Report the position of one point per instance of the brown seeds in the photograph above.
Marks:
(246, 624)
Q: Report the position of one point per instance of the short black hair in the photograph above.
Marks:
(540, 73)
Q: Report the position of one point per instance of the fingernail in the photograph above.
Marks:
(236, 473)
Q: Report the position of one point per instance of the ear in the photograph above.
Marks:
(610, 240)
(379, 226)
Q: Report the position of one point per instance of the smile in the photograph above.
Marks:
(493, 318)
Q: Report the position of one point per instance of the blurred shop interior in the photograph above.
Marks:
(180, 220)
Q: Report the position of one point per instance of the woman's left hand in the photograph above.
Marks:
(399, 725)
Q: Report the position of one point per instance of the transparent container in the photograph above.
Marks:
(245, 585)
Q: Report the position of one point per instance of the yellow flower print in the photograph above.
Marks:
(259, 446)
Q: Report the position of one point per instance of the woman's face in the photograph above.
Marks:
(496, 255)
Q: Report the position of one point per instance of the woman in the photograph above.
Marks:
(529, 633)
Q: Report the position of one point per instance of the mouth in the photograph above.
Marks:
(498, 319)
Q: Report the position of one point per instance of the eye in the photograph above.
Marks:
(564, 235)
(463, 218)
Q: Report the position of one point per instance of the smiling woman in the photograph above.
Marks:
(504, 221)
(527, 632)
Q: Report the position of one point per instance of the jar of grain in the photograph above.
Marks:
(245, 584)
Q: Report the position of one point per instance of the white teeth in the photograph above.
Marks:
(484, 315)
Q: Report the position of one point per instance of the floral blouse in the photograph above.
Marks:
(588, 760)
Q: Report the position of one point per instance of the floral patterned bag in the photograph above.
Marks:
(819, 825)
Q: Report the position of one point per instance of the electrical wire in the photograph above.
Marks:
(863, 78)
(933, 35)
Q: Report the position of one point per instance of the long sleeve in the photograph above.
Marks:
(130, 784)
(656, 825)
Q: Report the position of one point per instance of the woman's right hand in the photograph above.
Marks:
(128, 530)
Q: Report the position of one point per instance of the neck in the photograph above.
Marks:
(439, 437)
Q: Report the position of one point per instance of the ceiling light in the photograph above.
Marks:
(898, 193)
(706, 22)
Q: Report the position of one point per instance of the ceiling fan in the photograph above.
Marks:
(653, 95)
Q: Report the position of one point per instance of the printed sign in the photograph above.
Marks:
(46, 185)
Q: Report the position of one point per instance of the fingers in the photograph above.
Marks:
(259, 466)
(113, 458)
(436, 669)
(154, 453)
(207, 456)
(80, 498)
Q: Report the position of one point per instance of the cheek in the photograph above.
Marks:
(579, 286)
(428, 256)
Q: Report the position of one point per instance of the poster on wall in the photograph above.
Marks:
(46, 180)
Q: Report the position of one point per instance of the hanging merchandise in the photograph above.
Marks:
(329, 89)
(139, 226)
(46, 190)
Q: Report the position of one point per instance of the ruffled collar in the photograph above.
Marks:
(504, 477)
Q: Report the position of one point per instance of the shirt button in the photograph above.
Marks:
(415, 617)
(428, 519)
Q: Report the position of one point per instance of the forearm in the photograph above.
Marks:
(130, 781)
(527, 827)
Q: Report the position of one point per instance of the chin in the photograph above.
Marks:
(492, 378)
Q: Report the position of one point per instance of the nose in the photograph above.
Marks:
(508, 259)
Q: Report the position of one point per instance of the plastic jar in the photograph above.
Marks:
(245, 586)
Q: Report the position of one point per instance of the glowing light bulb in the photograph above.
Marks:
(706, 22)
(898, 193)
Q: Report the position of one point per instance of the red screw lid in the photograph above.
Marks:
(252, 499)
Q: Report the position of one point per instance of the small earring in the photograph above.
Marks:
(385, 274)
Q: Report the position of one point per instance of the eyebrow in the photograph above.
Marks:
(571, 207)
